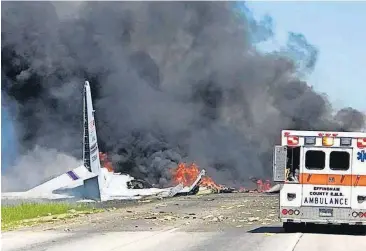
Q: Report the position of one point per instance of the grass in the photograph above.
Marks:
(25, 214)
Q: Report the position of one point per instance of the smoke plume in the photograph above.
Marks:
(36, 166)
(171, 81)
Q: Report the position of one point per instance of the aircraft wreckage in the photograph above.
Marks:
(93, 181)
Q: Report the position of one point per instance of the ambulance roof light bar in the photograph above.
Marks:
(346, 141)
(310, 140)
(328, 141)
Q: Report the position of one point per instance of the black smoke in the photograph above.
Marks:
(171, 81)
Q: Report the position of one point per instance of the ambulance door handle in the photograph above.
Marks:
(361, 199)
(291, 196)
(342, 179)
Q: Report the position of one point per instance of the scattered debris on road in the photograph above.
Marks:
(214, 211)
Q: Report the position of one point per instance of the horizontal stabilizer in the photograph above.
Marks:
(70, 178)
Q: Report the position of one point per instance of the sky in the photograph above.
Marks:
(337, 30)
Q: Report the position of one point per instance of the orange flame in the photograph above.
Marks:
(187, 174)
(208, 182)
(263, 186)
(105, 162)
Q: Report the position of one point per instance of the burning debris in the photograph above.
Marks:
(186, 180)
(262, 186)
(138, 184)
(105, 162)
(187, 173)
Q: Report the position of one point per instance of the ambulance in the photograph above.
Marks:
(323, 177)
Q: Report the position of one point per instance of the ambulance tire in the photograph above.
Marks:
(291, 227)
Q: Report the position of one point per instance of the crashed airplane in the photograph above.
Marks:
(93, 181)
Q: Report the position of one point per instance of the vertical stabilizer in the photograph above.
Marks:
(90, 143)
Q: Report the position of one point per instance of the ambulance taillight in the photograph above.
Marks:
(359, 214)
(361, 142)
(292, 140)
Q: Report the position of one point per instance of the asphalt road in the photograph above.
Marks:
(215, 222)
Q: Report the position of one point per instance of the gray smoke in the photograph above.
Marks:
(171, 81)
(35, 167)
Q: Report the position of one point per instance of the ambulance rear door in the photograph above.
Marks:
(340, 176)
(326, 177)
(314, 175)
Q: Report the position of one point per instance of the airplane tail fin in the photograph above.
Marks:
(90, 142)
(90, 149)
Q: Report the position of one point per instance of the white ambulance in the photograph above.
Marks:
(323, 176)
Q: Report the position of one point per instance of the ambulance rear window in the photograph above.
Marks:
(315, 160)
(339, 160)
